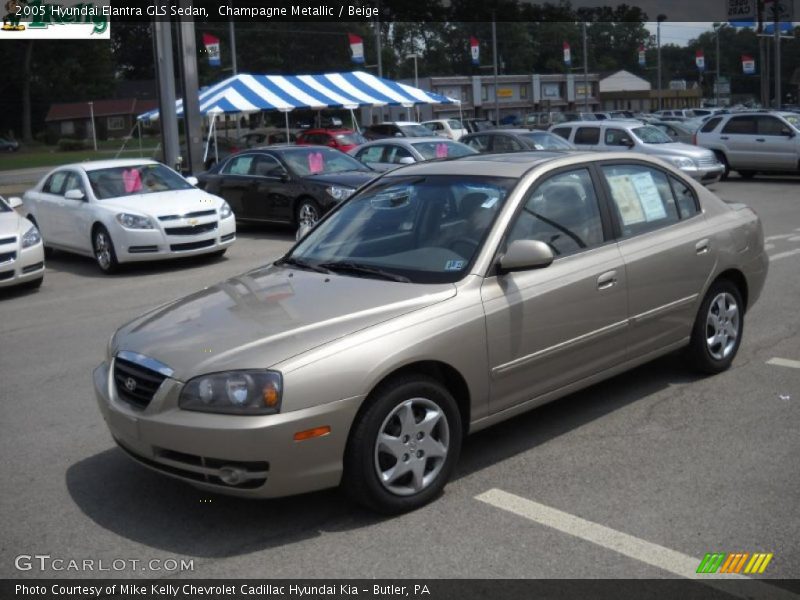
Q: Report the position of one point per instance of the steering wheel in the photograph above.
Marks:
(463, 242)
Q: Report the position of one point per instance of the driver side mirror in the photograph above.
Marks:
(524, 255)
(626, 141)
(192, 180)
(285, 177)
(15, 202)
(788, 132)
(406, 160)
(74, 194)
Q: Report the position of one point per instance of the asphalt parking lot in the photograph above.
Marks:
(639, 476)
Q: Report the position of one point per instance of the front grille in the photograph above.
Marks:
(192, 245)
(201, 213)
(33, 267)
(6, 275)
(8, 240)
(7, 257)
(204, 469)
(142, 249)
(136, 384)
(192, 229)
(227, 238)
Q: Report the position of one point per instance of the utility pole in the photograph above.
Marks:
(585, 71)
(234, 68)
(162, 36)
(494, 65)
(192, 124)
(659, 20)
(378, 48)
(777, 58)
(94, 132)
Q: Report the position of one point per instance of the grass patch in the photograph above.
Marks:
(49, 156)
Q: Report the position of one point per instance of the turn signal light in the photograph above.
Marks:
(312, 433)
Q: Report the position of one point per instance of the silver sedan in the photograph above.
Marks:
(387, 154)
(440, 299)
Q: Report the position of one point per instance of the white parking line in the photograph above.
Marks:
(782, 236)
(652, 554)
(780, 255)
(784, 362)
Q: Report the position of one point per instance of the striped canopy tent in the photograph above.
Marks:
(244, 93)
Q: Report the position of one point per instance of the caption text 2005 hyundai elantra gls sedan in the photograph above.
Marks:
(438, 300)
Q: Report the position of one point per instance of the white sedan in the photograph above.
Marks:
(128, 210)
(21, 250)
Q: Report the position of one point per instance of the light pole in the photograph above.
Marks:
(659, 20)
(494, 64)
(585, 71)
(415, 56)
(718, 27)
(94, 134)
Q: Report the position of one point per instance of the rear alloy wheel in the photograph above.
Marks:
(403, 448)
(717, 331)
(308, 212)
(104, 254)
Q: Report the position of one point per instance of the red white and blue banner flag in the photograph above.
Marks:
(356, 48)
(475, 50)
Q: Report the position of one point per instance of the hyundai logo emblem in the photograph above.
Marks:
(130, 384)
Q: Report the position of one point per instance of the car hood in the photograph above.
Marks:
(352, 179)
(159, 204)
(266, 316)
(679, 149)
(11, 224)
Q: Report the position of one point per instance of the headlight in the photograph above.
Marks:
(31, 237)
(130, 221)
(235, 392)
(225, 210)
(682, 163)
(339, 193)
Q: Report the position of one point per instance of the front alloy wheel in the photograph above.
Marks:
(104, 253)
(403, 445)
(308, 213)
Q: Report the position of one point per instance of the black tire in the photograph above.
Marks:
(724, 160)
(746, 174)
(307, 209)
(710, 357)
(34, 284)
(104, 254)
(409, 395)
(217, 254)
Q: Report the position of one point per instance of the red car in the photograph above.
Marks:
(341, 139)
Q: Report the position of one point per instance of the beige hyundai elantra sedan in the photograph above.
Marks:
(438, 300)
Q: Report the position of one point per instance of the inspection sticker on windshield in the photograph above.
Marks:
(454, 265)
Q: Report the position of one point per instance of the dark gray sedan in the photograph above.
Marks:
(515, 140)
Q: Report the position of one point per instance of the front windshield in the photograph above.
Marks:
(415, 130)
(443, 149)
(794, 120)
(319, 161)
(548, 141)
(421, 229)
(3, 206)
(135, 180)
(651, 135)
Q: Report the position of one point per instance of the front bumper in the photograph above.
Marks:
(705, 174)
(133, 245)
(18, 265)
(202, 448)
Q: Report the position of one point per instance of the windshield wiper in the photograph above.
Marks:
(356, 268)
(301, 264)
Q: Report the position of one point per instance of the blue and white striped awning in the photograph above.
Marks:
(244, 93)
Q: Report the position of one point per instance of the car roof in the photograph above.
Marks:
(94, 165)
(607, 122)
(329, 130)
(399, 123)
(488, 165)
(409, 141)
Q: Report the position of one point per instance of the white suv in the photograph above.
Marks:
(753, 142)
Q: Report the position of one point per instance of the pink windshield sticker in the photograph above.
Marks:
(315, 162)
(132, 180)
(441, 150)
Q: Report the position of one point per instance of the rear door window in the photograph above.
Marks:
(589, 136)
(372, 154)
(564, 132)
(745, 125)
(711, 124)
(642, 198)
(478, 142)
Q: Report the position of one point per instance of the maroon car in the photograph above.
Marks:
(341, 139)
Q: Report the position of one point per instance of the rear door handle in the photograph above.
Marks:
(607, 280)
(760, 140)
(702, 247)
(723, 137)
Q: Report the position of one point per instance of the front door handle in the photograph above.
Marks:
(760, 140)
(607, 280)
(702, 247)
(723, 137)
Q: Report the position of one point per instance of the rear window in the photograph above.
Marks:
(711, 124)
(443, 149)
(350, 139)
(562, 131)
(587, 135)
